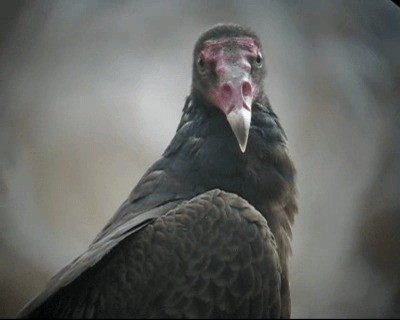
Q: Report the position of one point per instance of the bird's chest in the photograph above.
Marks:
(221, 164)
(214, 160)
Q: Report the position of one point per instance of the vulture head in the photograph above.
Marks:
(228, 73)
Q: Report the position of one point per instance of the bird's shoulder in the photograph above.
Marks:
(211, 256)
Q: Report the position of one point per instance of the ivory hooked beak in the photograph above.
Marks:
(239, 119)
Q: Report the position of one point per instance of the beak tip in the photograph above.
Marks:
(242, 141)
(239, 120)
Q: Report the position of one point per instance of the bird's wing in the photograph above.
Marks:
(143, 205)
(225, 261)
(96, 251)
(211, 257)
(156, 193)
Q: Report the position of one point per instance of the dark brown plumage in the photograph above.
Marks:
(206, 231)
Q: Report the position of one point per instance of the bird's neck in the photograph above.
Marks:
(207, 141)
(209, 157)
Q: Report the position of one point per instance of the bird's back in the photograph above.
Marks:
(211, 257)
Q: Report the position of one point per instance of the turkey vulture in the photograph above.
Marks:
(206, 231)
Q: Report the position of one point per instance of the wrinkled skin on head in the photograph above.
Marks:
(229, 73)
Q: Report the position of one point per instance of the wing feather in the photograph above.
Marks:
(182, 264)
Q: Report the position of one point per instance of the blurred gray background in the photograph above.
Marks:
(91, 93)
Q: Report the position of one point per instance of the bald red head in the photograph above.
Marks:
(228, 74)
(229, 61)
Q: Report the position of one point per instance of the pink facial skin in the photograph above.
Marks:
(231, 57)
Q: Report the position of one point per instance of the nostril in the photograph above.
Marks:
(246, 89)
(226, 90)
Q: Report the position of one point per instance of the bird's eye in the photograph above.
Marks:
(201, 65)
(259, 60)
